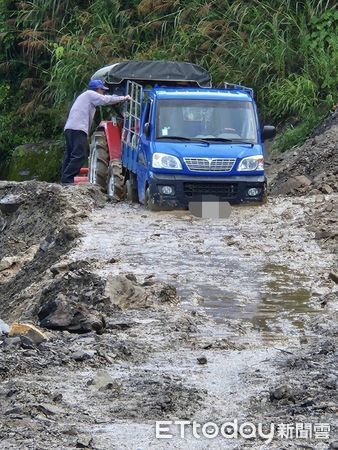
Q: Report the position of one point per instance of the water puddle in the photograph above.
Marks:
(221, 266)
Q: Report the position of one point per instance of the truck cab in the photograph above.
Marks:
(197, 143)
(181, 142)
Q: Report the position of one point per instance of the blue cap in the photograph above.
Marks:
(97, 84)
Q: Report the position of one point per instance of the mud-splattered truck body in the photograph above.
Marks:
(181, 140)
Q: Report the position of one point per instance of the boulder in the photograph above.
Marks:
(84, 441)
(280, 393)
(125, 292)
(202, 360)
(334, 277)
(294, 183)
(102, 381)
(326, 189)
(30, 331)
(7, 262)
(61, 314)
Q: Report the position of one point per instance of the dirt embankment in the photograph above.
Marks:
(38, 224)
(310, 169)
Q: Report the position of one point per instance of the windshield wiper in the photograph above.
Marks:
(181, 138)
(238, 141)
(186, 139)
(244, 141)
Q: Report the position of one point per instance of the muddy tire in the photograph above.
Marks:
(149, 201)
(99, 160)
(265, 194)
(131, 194)
(115, 188)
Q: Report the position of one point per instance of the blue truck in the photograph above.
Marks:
(179, 139)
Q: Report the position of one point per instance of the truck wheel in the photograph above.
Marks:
(265, 194)
(99, 160)
(149, 201)
(115, 188)
(131, 194)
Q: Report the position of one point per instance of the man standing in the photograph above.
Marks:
(78, 125)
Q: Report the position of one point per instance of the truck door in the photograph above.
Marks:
(144, 150)
(132, 126)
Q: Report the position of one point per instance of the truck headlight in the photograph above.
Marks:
(164, 161)
(251, 163)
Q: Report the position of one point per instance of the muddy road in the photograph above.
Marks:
(202, 320)
(260, 266)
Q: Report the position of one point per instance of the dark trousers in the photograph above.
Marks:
(76, 152)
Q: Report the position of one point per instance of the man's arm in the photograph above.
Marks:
(101, 100)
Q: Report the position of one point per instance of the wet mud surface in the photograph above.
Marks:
(165, 316)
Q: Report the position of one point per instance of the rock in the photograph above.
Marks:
(102, 381)
(26, 329)
(334, 277)
(10, 203)
(61, 314)
(12, 342)
(279, 393)
(126, 293)
(7, 262)
(4, 328)
(84, 442)
(326, 189)
(56, 314)
(307, 403)
(49, 409)
(82, 355)
(47, 243)
(57, 398)
(331, 382)
(202, 360)
(294, 183)
(58, 268)
(303, 180)
(26, 343)
(327, 347)
(167, 294)
(131, 277)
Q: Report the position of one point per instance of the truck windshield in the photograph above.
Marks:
(226, 120)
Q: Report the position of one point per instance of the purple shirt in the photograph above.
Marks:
(82, 112)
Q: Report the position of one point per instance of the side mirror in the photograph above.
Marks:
(268, 132)
(146, 130)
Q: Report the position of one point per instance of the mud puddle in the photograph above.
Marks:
(248, 268)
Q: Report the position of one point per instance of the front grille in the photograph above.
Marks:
(222, 190)
(210, 164)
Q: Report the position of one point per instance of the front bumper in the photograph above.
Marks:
(188, 189)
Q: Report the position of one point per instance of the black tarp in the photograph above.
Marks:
(154, 71)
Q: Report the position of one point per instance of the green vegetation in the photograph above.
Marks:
(286, 50)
